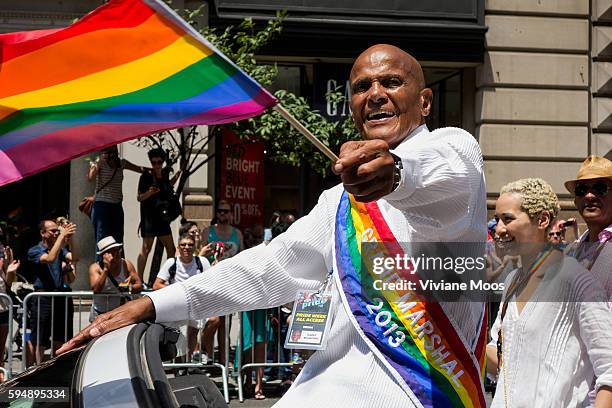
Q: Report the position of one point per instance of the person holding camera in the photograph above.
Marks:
(222, 232)
(221, 241)
(51, 263)
(107, 211)
(112, 279)
(158, 207)
(556, 235)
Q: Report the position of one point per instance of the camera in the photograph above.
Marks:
(62, 221)
(218, 251)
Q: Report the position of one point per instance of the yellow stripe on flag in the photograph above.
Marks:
(115, 81)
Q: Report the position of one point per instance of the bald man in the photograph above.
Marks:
(401, 183)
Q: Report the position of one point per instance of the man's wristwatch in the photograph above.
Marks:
(397, 172)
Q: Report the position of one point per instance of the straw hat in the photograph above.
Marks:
(594, 167)
(106, 244)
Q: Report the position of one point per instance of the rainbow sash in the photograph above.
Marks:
(432, 360)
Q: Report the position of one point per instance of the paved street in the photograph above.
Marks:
(268, 402)
(272, 396)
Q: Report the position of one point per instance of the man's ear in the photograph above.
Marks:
(426, 98)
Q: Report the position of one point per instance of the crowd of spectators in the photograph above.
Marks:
(113, 279)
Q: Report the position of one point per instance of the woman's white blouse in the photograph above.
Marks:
(558, 345)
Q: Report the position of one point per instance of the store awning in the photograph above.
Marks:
(434, 30)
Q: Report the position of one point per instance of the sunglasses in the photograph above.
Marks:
(154, 162)
(221, 211)
(186, 245)
(599, 188)
(555, 234)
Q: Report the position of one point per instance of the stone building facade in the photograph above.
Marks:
(543, 91)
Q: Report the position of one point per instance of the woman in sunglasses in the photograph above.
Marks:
(221, 241)
(222, 232)
(550, 342)
(155, 188)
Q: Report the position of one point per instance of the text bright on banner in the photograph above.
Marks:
(242, 179)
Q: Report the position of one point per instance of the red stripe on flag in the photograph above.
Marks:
(114, 14)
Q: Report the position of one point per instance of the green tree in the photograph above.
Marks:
(284, 144)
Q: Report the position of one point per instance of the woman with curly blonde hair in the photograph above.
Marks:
(550, 342)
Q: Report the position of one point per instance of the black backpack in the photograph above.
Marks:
(172, 269)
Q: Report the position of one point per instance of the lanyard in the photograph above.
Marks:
(325, 284)
(535, 265)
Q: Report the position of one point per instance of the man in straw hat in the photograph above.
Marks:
(593, 198)
(401, 183)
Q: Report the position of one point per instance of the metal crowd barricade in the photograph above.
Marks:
(81, 295)
(204, 364)
(25, 318)
(6, 299)
(253, 365)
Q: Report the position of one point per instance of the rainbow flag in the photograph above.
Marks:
(415, 337)
(127, 69)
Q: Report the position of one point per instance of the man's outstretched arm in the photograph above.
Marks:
(257, 278)
(263, 276)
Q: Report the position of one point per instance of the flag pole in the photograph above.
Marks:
(302, 129)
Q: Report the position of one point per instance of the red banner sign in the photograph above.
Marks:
(242, 179)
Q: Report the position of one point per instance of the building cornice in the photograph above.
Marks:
(15, 20)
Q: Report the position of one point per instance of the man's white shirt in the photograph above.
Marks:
(183, 271)
(441, 198)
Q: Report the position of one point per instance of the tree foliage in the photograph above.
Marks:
(284, 144)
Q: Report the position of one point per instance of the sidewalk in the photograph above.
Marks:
(268, 402)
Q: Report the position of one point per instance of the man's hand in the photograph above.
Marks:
(132, 312)
(366, 168)
(67, 230)
(207, 250)
(13, 266)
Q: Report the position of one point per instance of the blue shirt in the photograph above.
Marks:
(47, 276)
